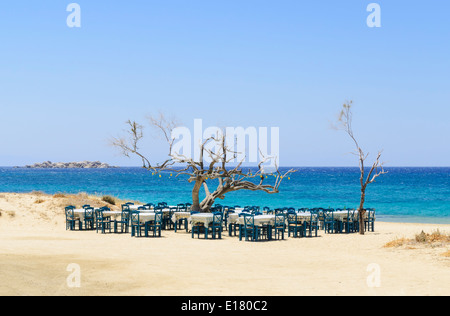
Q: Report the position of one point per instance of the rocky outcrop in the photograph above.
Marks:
(70, 165)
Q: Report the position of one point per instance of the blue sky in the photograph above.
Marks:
(289, 64)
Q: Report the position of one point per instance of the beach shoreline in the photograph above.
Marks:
(36, 252)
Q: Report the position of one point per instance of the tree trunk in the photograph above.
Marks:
(362, 211)
(208, 202)
(195, 196)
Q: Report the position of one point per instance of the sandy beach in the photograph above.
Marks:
(36, 252)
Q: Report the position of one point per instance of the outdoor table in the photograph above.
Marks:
(303, 216)
(340, 215)
(79, 213)
(205, 218)
(112, 214)
(146, 217)
(261, 220)
(176, 216)
(232, 218)
(135, 207)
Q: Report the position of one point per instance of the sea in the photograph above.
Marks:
(404, 194)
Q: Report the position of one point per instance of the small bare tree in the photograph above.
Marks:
(200, 173)
(345, 124)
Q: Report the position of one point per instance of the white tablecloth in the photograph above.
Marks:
(113, 214)
(146, 217)
(135, 207)
(79, 213)
(179, 215)
(341, 215)
(205, 218)
(259, 220)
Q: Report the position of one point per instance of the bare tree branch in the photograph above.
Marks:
(230, 178)
(345, 123)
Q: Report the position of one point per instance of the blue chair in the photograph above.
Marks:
(234, 228)
(295, 225)
(181, 222)
(167, 219)
(86, 206)
(70, 218)
(154, 226)
(102, 223)
(311, 226)
(279, 211)
(331, 225)
(199, 228)
(89, 218)
(124, 222)
(320, 215)
(149, 206)
(136, 225)
(125, 207)
(162, 204)
(279, 227)
(227, 212)
(216, 227)
(348, 223)
(249, 230)
(369, 220)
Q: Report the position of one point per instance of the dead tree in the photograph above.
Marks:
(201, 173)
(345, 124)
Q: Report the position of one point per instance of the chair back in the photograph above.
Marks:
(158, 218)
(125, 217)
(86, 206)
(370, 214)
(280, 220)
(69, 212)
(99, 214)
(89, 213)
(149, 206)
(351, 215)
(292, 219)
(129, 203)
(278, 210)
(328, 215)
(314, 218)
(134, 218)
(249, 220)
(125, 207)
(217, 219)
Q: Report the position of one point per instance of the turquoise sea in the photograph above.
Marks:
(404, 194)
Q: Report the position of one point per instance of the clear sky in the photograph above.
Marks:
(287, 63)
